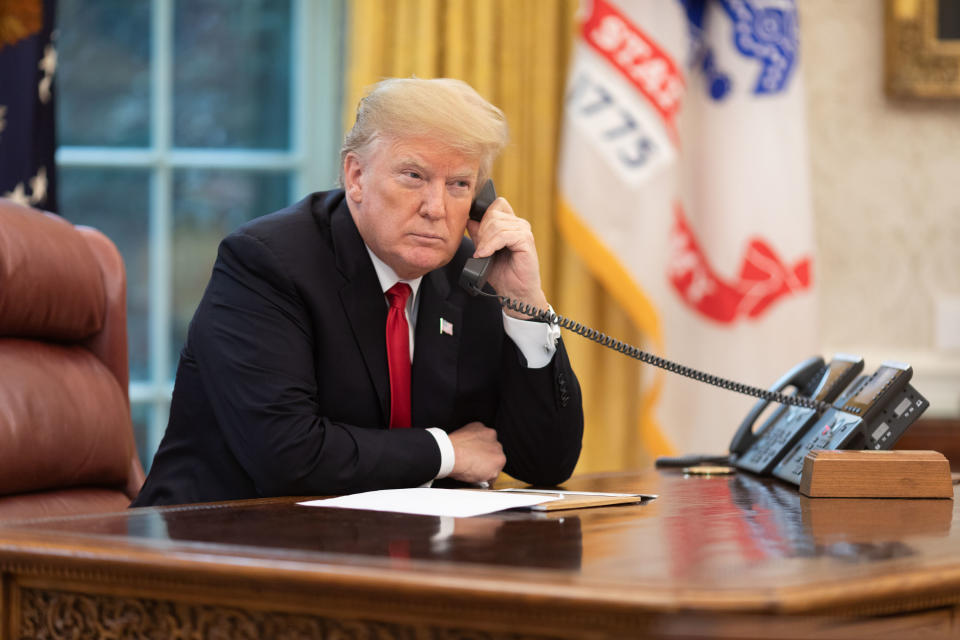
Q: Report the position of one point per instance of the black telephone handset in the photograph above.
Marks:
(758, 451)
(799, 377)
(475, 271)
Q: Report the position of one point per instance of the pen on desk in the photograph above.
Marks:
(562, 492)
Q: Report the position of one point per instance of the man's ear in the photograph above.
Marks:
(352, 174)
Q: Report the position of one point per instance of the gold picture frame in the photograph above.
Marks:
(919, 61)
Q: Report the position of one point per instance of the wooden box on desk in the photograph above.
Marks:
(876, 474)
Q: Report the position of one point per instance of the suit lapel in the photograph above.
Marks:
(434, 372)
(363, 302)
(434, 381)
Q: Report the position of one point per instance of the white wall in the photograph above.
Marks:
(886, 193)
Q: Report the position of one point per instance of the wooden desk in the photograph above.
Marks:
(734, 557)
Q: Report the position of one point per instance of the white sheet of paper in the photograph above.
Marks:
(458, 503)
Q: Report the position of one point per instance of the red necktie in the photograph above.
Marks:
(398, 355)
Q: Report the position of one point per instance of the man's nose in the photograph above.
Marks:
(434, 205)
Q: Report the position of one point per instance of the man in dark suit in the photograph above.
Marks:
(297, 378)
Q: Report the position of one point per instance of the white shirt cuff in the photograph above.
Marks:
(446, 451)
(537, 341)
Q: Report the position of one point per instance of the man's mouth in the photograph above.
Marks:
(427, 237)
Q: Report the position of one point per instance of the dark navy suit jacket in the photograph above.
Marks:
(283, 389)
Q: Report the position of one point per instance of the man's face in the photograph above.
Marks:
(410, 199)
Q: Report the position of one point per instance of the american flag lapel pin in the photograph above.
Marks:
(446, 327)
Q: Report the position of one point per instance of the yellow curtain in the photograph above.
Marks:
(515, 53)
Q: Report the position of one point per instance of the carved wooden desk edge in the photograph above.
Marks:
(89, 586)
(39, 600)
(84, 581)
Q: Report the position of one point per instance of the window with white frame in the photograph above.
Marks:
(178, 120)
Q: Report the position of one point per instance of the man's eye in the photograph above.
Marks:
(412, 174)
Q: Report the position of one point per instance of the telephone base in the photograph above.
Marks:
(876, 474)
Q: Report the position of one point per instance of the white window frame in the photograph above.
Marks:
(312, 161)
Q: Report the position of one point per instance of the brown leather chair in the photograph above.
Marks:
(66, 442)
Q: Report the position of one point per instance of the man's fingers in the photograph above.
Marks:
(510, 232)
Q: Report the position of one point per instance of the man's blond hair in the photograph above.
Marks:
(444, 109)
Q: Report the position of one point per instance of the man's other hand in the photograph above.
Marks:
(478, 455)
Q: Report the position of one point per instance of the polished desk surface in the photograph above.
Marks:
(713, 545)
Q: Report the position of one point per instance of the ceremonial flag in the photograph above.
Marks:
(28, 61)
(685, 188)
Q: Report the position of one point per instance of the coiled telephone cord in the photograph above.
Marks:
(648, 358)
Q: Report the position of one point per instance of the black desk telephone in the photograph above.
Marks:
(831, 406)
(867, 412)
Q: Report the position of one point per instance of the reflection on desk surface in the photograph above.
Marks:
(726, 532)
(493, 540)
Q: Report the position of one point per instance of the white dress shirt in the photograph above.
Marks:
(537, 342)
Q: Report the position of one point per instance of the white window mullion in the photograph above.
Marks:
(161, 214)
(106, 157)
(233, 159)
(298, 95)
(251, 159)
(146, 392)
(318, 94)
